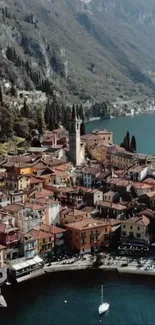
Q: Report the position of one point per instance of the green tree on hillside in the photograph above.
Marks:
(40, 121)
(25, 112)
(1, 96)
(133, 147)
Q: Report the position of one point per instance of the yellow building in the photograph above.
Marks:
(17, 182)
(106, 135)
(98, 151)
(45, 241)
(122, 160)
(135, 228)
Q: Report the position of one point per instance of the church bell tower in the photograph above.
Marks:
(75, 138)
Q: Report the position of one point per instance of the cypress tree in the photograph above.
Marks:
(40, 121)
(47, 114)
(128, 140)
(125, 143)
(1, 96)
(25, 110)
(133, 144)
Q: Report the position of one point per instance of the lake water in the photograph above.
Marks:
(141, 126)
(41, 301)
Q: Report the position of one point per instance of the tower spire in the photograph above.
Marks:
(74, 116)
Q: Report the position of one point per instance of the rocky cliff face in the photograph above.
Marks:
(87, 49)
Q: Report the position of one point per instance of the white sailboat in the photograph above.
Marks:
(104, 306)
(2, 301)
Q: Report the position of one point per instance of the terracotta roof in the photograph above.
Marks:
(51, 229)
(38, 234)
(103, 175)
(33, 206)
(150, 194)
(60, 173)
(47, 201)
(147, 213)
(114, 222)
(87, 223)
(139, 220)
(149, 181)
(14, 208)
(109, 205)
(101, 131)
(136, 169)
(142, 186)
(88, 209)
(41, 194)
(35, 180)
(91, 170)
(75, 212)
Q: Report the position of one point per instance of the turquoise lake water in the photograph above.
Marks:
(141, 126)
(42, 301)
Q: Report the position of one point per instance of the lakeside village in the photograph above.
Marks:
(71, 198)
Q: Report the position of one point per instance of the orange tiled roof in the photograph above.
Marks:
(88, 223)
(38, 234)
(51, 229)
(139, 220)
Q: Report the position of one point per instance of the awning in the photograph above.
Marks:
(37, 259)
(24, 264)
(16, 267)
(31, 262)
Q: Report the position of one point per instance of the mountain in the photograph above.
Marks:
(86, 49)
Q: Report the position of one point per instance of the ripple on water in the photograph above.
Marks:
(131, 302)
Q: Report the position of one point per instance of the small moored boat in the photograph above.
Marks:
(2, 301)
(104, 306)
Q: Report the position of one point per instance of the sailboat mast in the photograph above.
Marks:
(101, 294)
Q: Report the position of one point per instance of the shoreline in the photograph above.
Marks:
(128, 270)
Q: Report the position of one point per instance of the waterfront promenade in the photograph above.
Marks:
(143, 266)
(126, 265)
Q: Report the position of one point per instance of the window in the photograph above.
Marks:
(108, 138)
(131, 234)
(124, 233)
(138, 228)
(124, 226)
(130, 227)
(106, 236)
(105, 230)
(138, 235)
